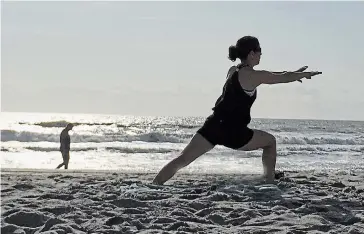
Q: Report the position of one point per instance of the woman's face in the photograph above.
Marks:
(255, 56)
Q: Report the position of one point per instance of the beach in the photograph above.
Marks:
(98, 97)
(49, 201)
(114, 159)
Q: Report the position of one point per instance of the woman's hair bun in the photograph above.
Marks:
(233, 53)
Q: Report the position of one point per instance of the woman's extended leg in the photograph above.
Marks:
(267, 142)
(197, 147)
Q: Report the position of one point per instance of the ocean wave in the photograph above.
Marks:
(129, 150)
(284, 129)
(63, 123)
(51, 149)
(139, 150)
(168, 136)
(9, 149)
(281, 149)
(25, 136)
(318, 148)
(319, 141)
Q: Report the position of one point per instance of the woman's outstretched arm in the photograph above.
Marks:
(298, 70)
(266, 77)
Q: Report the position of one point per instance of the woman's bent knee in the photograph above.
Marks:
(272, 139)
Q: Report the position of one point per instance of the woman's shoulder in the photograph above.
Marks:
(231, 71)
(246, 78)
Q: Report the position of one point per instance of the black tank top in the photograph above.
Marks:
(234, 104)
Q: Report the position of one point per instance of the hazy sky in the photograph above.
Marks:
(170, 58)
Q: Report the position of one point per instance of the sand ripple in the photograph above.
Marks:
(71, 202)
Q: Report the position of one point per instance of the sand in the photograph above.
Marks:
(113, 202)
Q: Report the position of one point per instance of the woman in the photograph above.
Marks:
(228, 125)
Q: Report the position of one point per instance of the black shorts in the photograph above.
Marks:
(229, 133)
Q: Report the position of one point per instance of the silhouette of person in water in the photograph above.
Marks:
(65, 141)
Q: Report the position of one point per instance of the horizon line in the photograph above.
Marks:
(176, 116)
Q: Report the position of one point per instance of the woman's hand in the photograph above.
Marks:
(301, 70)
(311, 74)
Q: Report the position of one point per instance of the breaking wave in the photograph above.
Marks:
(25, 136)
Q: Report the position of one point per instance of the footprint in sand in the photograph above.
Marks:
(164, 220)
(64, 197)
(114, 221)
(23, 186)
(129, 203)
(27, 219)
(58, 210)
(217, 218)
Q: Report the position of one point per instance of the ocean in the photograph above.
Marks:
(145, 144)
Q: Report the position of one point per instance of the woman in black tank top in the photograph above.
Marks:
(228, 124)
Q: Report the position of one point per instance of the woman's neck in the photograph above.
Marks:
(245, 64)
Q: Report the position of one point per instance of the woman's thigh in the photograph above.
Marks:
(260, 140)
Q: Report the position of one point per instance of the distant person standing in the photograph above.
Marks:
(65, 141)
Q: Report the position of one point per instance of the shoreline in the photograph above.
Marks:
(42, 170)
(177, 116)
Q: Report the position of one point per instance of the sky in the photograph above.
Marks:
(170, 58)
